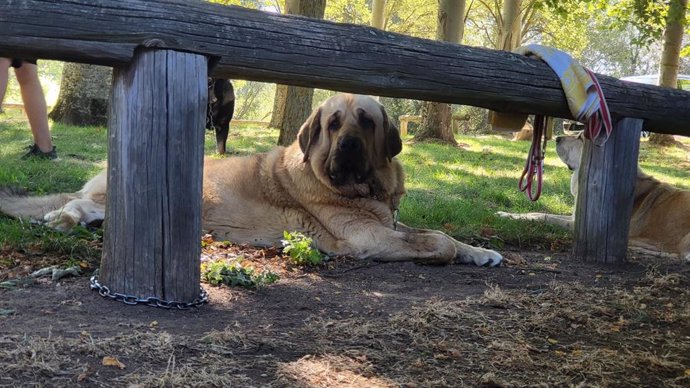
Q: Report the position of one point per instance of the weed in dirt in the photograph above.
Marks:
(301, 250)
(234, 274)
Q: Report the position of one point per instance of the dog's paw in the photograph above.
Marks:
(479, 256)
(61, 220)
(487, 258)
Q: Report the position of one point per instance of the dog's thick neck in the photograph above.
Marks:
(640, 180)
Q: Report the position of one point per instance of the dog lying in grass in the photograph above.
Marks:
(661, 213)
(339, 184)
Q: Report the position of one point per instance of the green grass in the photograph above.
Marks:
(459, 190)
(454, 189)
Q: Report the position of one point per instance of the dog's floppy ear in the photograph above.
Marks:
(392, 140)
(309, 132)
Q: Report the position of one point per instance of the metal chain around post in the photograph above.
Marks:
(152, 301)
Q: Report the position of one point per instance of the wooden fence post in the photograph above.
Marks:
(606, 186)
(151, 246)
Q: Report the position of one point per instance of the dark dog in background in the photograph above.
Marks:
(219, 111)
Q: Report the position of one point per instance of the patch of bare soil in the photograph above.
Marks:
(541, 319)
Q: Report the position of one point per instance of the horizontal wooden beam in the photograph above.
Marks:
(262, 46)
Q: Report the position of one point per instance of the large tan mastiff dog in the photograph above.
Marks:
(661, 212)
(338, 183)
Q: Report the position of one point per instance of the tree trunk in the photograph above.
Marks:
(670, 56)
(437, 120)
(290, 111)
(296, 110)
(508, 39)
(292, 8)
(278, 106)
(377, 19)
(84, 94)
(510, 33)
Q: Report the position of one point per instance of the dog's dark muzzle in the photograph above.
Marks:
(349, 165)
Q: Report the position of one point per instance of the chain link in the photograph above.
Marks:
(152, 301)
(209, 109)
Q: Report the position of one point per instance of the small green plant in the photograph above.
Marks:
(300, 249)
(234, 274)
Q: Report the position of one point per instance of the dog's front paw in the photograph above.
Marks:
(61, 220)
(505, 215)
(479, 256)
(487, 258)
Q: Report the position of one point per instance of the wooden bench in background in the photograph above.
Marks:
(405, 119)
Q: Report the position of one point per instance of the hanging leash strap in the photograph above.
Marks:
(534, 167)
(601, 117)
(586, 102)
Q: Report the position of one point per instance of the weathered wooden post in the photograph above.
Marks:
(606, 186)
(155, 158)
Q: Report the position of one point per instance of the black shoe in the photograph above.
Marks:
(35, 152)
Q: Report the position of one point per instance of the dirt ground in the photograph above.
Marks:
(542, 319)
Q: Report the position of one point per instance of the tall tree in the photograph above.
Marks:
(670, 56)
(510, 27)
(291, 8)
(509, 35)
(377, 17)
(437, 117)
(84, 95)
(673, 41)
(292, 104)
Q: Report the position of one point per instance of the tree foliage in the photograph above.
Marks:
(348, 11)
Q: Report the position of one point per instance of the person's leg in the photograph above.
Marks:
(4, 70)
(34, 105)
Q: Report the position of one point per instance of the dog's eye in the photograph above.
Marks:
(334, 123)
(365, 121)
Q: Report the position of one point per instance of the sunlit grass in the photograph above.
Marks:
(459, 189)
(669, 164)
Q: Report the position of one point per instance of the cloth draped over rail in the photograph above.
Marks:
(585, 100)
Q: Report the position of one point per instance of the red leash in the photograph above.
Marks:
(600, 117)
(534, 167)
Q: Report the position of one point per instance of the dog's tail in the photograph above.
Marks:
(18, 204)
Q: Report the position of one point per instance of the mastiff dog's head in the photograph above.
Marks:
(347, 138)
